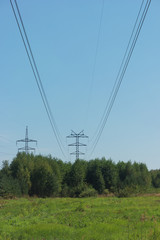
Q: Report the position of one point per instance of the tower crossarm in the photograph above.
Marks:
(77, 144)
(26, 140)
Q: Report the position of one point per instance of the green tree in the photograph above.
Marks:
(44, 181)
(94, 175)
(9, 187)
(99, 183)
(155, 175)
(77, 177)
(6, 168)
(20, 169)
(110, 174)
(78, 173)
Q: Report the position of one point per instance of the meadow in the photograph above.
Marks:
(108, 218)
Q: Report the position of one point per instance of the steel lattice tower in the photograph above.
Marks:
(26, 148)
(77, 144)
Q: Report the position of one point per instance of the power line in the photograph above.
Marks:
(37, 75)
(39, 78)
(122, 71)
(97, 45)
(7, 139)
(95, 57)
(7, 153)
(114, 93)
(117, 78)
(40, 86)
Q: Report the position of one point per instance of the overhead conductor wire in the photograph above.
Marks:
(94, 65)
(115, 83)
(121, 74)
(95, 58)
(39, 78)
(37, 75)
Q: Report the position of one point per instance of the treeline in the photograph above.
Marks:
(30, 175)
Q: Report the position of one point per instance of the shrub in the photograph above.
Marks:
(106, 192)
(88, 192)
(129, 191)
(9, 187)
(65, 192)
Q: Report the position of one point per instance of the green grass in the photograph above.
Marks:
(85, 219)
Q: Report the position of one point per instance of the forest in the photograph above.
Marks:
(45, 176)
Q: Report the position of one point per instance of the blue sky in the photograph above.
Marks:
(63, 35)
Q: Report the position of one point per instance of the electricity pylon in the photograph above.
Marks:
(77, 144)
(26, 148)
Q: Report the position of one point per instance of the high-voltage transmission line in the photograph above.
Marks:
(77, 144)
(123, 67)
(26, 148)
(35, 71)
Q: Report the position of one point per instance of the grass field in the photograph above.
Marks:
(85, 219)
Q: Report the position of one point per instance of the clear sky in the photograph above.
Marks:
(63, 35)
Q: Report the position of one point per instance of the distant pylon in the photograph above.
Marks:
(26, 148)
(77, 144)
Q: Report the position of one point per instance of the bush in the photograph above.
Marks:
(106, 192)
(65, 192)
(123, 193)
(129, 191)
(76, 191)
(88, 192)
(9, 187)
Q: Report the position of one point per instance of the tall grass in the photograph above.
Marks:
(112, 218)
